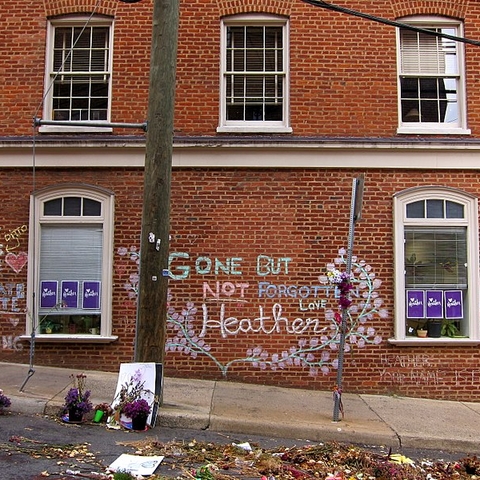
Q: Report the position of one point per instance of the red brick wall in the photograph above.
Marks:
(343, 83)
(246, 215)
(343, 68)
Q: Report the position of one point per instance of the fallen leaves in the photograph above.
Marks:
(332, 461)
(216, 461)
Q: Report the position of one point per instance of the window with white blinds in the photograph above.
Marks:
(70, 272)
(436, 265)
(81, 74)
(71, 253)
(254, 72)
(79, 68)
(431, 90)
(436, 257)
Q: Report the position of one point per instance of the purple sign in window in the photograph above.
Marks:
(91, 295)
(453, 304)
(434, 303)
(70, 293)
(48, 294)
(415, 304)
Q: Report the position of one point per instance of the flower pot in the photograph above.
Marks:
(422, 333)
(74, 415)
(435, 329)
(98, 416)
(139, 423)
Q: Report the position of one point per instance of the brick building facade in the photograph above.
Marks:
(279, 106)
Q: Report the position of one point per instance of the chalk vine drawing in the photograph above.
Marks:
(134, 255)
(317, 353)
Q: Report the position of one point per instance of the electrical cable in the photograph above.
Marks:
(393, 23)
(33, 313)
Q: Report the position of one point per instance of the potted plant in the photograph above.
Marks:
(138, 411)
(422, 332)
(130, 392)
(434, 328)
(77, 400)
(449, 329)
(102, 412)
(4, 402)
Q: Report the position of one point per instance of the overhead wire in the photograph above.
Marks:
(33, 312)
(393, 23)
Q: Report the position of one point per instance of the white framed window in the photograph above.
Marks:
(254, 74)
(70, 264)
(431, 78)
(436, 266)
(78, 71)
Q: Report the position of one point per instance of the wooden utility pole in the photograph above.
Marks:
(153, 282)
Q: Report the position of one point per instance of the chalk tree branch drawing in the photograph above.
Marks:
(316, 353)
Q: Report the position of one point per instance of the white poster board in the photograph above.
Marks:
(148, 374)
(136, 464)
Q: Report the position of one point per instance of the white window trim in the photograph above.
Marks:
(37, 218)
(47, 102)
(470, 220)
(248, 127)
(435, 128)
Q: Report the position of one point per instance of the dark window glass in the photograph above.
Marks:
(91, 208)
(435, 209)
(72, 206)
(416, 209)
(53, 207)
(454, 210)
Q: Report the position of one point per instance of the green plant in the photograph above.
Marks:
(105, 408)
(123, 475)
(449, 329)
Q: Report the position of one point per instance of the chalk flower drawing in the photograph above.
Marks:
(317, 354)
(134, 255)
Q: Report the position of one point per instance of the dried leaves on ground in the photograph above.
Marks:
(325, 461)
(216, 461)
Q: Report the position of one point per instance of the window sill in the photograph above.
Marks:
(254, 129)
(433, 342)
(433, 131)
(57, 338)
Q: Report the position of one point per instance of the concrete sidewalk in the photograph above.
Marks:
(223, 406)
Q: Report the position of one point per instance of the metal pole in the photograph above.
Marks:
(343, 325)
(38, 122)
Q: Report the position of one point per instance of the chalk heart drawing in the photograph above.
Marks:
(16, 262)
(14, 321)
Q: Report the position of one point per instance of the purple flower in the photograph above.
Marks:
(4, 401)
(138, 408)
(77, 397)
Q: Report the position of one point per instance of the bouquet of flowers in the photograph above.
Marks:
(342, 281)
(77, 400)
(136, 409)
(4, 401)
(130, 399)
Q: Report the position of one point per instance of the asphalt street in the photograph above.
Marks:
(33, 447)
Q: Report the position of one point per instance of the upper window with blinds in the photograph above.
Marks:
(78, 78)
(254, 74)
(431, 71)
